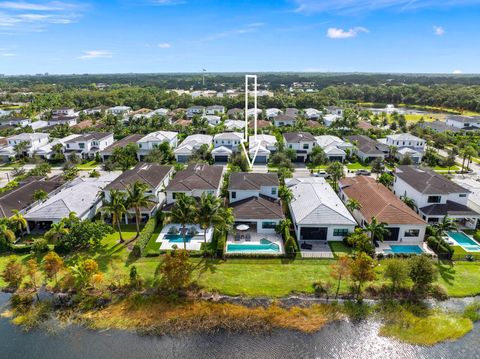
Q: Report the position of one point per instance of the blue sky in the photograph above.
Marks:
(282, 35)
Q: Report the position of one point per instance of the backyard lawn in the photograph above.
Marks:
(339, 249)
(88, 165)
(358, 166)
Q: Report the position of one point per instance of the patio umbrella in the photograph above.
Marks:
(242, 227)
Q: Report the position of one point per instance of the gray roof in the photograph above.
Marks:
(90, 136)
(197, 177)
(448, 209)
(123, 142)
(252, 181)
(284, 117)
(464, 119)
(367, 145)
(150, 173)
(427, 181)
(257, 208)
(297, 137)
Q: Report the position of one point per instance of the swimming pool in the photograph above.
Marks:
(177, 238)
(407, 249)
(467, 243)
(265, 246)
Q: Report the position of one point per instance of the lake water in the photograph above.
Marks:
(338, 340)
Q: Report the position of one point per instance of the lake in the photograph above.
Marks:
(337, 340)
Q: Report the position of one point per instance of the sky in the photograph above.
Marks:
(119, 36)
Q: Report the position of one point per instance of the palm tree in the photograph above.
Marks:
(138, 199)
(377, 230)
(6, 232)
(207, 213)
(409, 202)
(335, 170)
(285, 194)
(183, 212)
(116, 208)
(56, 231)
(18, 222)
(352, 205)
(40, 195)
(445, 225)
(392, 152)
(283, 228)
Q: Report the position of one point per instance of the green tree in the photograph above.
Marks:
(318, 156)
(6, 233)
(450, 161)
(340, 270)
(176, 271)
(409, 202)
(40, 195)
(83, 235)
(386, 179)
(377, 165)
(447, 224)
(13, 273)
(285, 194)
(115, 207)
(422, 273)
(18, 222)
(377, 230)
(20, 149)
(137, 198)
(362, 270)
(352, 205)
(397, 271)
(56, 231)
(336, 172)
(208, 213)
(183, 213)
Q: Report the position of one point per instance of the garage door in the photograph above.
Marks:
(393, 235)
(300, 159)
(182, 158)
(261, 159)
(314, 234)
(221, 158)
(335, 158)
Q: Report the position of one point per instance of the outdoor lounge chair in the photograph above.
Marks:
(237, 237)
(173, 230)
(306, 245)
(247, 237)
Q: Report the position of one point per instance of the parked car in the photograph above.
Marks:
(363, 173)
(322, 174)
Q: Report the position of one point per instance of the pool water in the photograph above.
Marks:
(177, 238)
(464, 241)
(264, 246)
(404, 249)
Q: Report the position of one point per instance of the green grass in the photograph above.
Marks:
(445, 169)
(153, 246)
(88, 165)
(339, 248)
(461, 279)
(461, 253)
(358, 166)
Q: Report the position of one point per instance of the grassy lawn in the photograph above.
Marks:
(153, 246)
(88, 165)
(317, 168)
(445, 169)
(461, 253)
(339, 249)
(358, 166)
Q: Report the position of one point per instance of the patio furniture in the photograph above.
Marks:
(173, 230)
(247, 237)
(306, 245)
(192, 231)
(243, 227)
(242, 236)
(237, 237)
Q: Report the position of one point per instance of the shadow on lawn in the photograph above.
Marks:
(447, 272)
(206, 265)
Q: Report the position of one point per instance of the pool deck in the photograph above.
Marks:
(255, 239)
(452, 241)
(193, 245)
(386, 246)
(320, 249)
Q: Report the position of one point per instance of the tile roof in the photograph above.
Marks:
(123, 142)
(297, 137)
(427, 181)
(448, 209)
(367, 145)
(378, 201)
(150, 173)
(90, 137)
(257, 208)
(252, 181)
(197, 177)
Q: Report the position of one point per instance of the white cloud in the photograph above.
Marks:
(438, 30)
(95, 54)
(242, 30)
(20, 5)
(337, 33)
(167, 2)
(355, 6)
(164, 45)
(457, 72)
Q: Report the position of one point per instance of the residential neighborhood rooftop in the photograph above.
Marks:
(252, 181)
(197, 177)
(151, 174)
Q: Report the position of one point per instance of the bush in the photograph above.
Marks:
(21, 248)
(145, 236)
(221, 240)
(40, 245)
(290, 246)
(476, 236)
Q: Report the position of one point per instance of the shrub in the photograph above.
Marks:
(40, 245)
(476, 236)
(290, 246)
(145, 236)
(221, 239)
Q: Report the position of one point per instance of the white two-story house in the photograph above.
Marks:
(63, 112)
(407, 145)
(190, 144)
(302, 142)
(215, 110)
(262, 147)
(194, 110)
(463, 122)
(147, 143)
(225, 144)
(434, 195)
(32, 141)
(89, 144)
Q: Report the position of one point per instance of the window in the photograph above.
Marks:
(434, 199)
(174, 195)
(305, 146)
(234, 194)
(463, 195)
(81, 145)
(342, 232)
(269, 225)
(274, 191)
(412, 233)
(139, 145)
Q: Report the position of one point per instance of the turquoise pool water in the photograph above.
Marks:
(465, 241)
(264, 246)
(177, 238)
(404, 249)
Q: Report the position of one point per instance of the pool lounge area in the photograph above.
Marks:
(171, 235)
(254, 243)
(463, 240)
(395, 248)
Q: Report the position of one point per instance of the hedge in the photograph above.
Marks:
(144, 237)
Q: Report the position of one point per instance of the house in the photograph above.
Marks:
(194, 110)
(235, 113)
(213, 120)
(161, 112)
(32, 141)
(141, 113)
(473, 187)
(233, 125)
(301, 142)
(464, 122)
(251, 112)
(367, 149)
(147, 143)
(438, 126)
(95, 110)
(407, 145)
(46, 151)
(195, 180)
(317, 212)
(119, 110)
(329, 119)
(260, 124)
(254, 200)
(155, 176)
(312, 114)
(108, 151)
(190, 145)
(271, 113)
(262, 147)
(334, 110)
(434, 195)
(225, 144)
(17, 121)
(21, 197)
(215, 110)
(89, 144)
(81, 196)
(36, 125)
(292, 112)
(334, 147)
(63, 112)
(285, 120)
(377, 201)
(63, 120)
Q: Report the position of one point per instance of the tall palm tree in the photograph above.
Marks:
(445, 225)
(392, 152)
(56, 231)
(137, 198)
(116, 208)
(283, 227)
(18, 222)
(285, 194)
(377, 230)
(183, 213)
(409, 202)
(352, 205)
(6, 232)
(207, 212)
